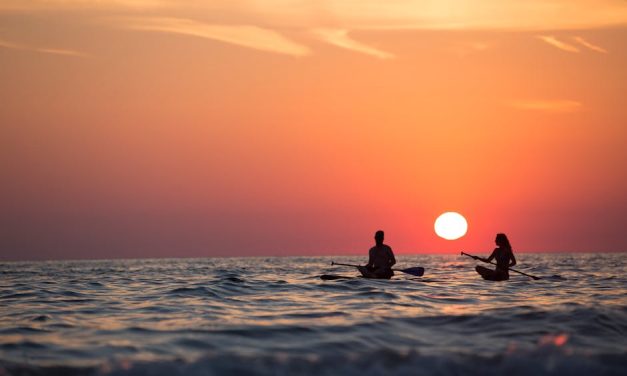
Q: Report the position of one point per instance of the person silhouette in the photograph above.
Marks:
(505, 259)
(380, 261)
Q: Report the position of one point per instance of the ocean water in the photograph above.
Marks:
(274, 316)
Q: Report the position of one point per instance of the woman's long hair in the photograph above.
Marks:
(501, 239)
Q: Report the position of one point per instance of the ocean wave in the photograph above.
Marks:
(194, 291)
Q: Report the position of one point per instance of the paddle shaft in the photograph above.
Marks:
(493, 263)
(339, 263)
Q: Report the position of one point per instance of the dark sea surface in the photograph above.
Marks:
(274, 316)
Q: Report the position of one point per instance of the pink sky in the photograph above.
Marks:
(282, 127)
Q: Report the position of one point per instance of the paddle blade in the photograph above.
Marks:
(417, 271)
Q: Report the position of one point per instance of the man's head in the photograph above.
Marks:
(378, 237)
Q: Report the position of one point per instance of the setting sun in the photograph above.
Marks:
(450, 226)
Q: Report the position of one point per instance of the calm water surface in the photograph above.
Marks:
(274, 316)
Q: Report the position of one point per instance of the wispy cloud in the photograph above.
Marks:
(46, 50)
(254, 23)
(341, 39)
(241, 35)
(589, 45)
(558, 44)
(546, 105)
(466, 48)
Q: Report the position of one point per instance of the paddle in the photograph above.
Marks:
(415, 271)
(514, 270)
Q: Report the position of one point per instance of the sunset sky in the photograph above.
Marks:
(163, 128)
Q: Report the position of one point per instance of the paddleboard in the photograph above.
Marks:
(488, 274)
(332, 277)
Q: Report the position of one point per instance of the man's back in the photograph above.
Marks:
(381, 257)
(380, 260)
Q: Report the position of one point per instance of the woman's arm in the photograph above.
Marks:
(512, 259)
(489, 258)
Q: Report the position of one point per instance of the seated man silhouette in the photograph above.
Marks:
(381, 259)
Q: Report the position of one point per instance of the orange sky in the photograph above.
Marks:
(282, 127)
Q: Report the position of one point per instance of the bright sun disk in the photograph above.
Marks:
(450, 226)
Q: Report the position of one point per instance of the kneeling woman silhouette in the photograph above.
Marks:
(505, 259)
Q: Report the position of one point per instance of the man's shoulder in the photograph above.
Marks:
(382, 247)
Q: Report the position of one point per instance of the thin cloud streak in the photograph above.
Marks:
(45, 50)
(549, 39)
(341, 39)
(241, 35)
(546, 105)
(466, 48)
(589, 45)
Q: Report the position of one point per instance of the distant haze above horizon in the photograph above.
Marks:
(161, 128)
(403, 258)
